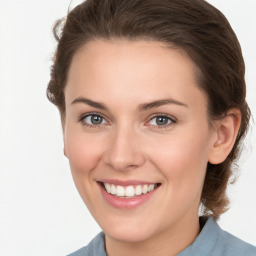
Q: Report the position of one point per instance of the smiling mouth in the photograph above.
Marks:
(130, 191)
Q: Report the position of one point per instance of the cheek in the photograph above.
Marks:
(183, 161)
(82, 151)
(83, 154)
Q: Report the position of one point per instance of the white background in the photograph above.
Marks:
(41, 212)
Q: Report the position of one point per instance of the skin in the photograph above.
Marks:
(130, 145)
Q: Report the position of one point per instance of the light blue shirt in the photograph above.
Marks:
(212, 241)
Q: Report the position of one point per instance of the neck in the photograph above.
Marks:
(166, 243)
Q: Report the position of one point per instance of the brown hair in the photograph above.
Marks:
(194, 26)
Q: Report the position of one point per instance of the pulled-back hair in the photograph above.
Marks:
(194, 26)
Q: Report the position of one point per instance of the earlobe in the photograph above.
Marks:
(64, 147)
(226, 130)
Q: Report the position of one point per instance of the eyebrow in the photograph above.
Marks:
(90, 103)
(141, 107)
(158, 103)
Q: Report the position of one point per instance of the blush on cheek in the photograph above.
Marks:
(184, 159)
(81, 155)
(82, 162)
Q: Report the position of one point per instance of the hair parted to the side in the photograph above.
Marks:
(194, 26)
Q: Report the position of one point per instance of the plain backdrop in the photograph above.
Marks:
(41, 212)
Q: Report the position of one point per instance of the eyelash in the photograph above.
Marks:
(81, 119)
(172, 120)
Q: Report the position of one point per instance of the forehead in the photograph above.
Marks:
(96, 55)
(131, 71)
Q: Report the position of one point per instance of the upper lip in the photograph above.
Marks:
(126, 182)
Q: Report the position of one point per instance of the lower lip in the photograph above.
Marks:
(126, 203)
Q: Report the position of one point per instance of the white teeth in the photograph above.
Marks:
(113, 190)
(129, 191)
(151, 187)
(138, 190)
(145, 189)
(120, 191)
(107, 187)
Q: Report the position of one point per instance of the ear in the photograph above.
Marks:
(64, 140)
(65, 151)
(226, 130)
(63, 120)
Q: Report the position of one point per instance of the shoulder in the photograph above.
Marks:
(234, 246)
(213, 241)
(228, 244)
(224, 243)
(80, 252)
(95, 248)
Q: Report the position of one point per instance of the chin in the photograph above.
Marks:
(130, 230)
(129, 236)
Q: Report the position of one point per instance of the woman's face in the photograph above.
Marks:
(136, 121)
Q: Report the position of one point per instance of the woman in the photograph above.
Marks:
(152, 101)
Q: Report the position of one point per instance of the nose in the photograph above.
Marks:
(124, 151)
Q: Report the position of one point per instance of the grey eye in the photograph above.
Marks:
(160, 121)
(94, 119)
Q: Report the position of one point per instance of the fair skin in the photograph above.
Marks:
(168, 143)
